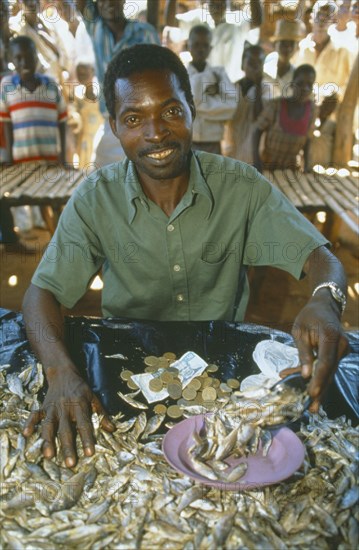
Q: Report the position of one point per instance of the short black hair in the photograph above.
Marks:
(199, 29)
(23, 41)
(305, 68)
(140, 58)
(252, 48)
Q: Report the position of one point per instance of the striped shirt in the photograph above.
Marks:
(35, 117)
(104, 43)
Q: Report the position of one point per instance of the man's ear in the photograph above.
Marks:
(113, 127)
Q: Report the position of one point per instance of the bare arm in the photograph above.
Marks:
(317, 329)
(257, 14)
(69, 400)
(170, 13)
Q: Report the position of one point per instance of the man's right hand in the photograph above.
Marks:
(67, 407)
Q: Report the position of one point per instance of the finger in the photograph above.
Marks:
(325, 366)
(34, 419)
(97, 407)
(314, 406)
(67, 441)
(85, 429)
(48, 434)
(305, 340)
(286, 372)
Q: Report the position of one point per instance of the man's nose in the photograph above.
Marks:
(156, 130)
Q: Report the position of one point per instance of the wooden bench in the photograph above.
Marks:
(50, 187)
(313, 192)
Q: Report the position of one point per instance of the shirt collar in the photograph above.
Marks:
(16, 80)
(197, 186)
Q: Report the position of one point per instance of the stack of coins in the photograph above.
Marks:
(204, 390)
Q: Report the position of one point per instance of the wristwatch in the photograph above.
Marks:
(335, 291)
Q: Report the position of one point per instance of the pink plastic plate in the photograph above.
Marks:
(285, 456)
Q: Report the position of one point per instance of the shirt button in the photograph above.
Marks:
(180, 298)
(170, 227)
(176, 267)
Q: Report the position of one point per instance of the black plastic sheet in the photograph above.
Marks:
(92, 342)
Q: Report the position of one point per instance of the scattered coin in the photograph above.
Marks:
(132, 384)
(195, 384)
(212, 368)
(189, 393)
(216, 383)
(209, 394)
(174, 411)
(126, 374)
(151, 369)
(225, 388)
(151, 361)
(206, 382)
(160, 409)
(167, 377)
(173, 370)
(170, 356)
(233, 383)
(175, 390)
(156, 384)
(163, 362)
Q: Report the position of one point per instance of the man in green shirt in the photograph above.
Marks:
(174, 232)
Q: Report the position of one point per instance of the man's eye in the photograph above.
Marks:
(131, 120)
(174, 111)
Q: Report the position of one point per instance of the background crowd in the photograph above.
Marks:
(268, 85)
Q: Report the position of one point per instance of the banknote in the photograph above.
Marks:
(189, 366)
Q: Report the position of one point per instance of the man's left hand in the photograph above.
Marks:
(319, 336)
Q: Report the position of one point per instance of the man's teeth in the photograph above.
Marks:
(161, 155)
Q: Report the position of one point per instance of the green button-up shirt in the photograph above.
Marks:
(189, 266)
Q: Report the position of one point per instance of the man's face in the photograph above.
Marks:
(217, 9)
(322, 20)
(199, 46)
(153, 123)
(25, 60)
(253, 65)
(285, 49)
(111, 10)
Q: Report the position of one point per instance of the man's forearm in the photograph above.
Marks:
(45, 330)
(321, 267)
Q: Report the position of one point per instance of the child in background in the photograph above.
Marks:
(288, 124)
(322, 143)
(87, 105)
(32, 108)
(213, 93)
(252, 90)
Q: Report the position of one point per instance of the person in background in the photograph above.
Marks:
(30, 21)
(252, 91)
(33, 112)
(213, 93)
(277, 65)
(288, 123)
(111, 32)
(322, 142)
(332, 64)
(230, 29)
(86, 103)
(228, 38)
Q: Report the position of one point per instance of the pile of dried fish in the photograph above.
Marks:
(127, 496)
(219, 439)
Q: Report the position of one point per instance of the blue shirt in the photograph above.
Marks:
(104, 43)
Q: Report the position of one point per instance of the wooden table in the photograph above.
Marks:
(51, 187)
(337, 195)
